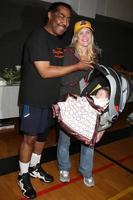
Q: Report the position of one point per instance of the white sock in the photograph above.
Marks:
(23, 167)
(35, 159)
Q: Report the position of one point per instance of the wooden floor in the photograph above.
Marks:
(112, 180)
(113, 167)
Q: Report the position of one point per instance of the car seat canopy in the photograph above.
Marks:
(120, 91)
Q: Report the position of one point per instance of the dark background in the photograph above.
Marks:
(19, 17)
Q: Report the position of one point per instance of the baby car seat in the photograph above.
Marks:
(120, 91)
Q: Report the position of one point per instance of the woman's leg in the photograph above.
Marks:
(86, 160)
(63, 151)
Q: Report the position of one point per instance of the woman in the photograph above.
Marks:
(82, 48)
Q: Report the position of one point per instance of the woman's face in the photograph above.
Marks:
(84, 37)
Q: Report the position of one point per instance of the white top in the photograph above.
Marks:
(100, 102)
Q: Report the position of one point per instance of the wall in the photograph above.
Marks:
(113, 36)
(17, 19)
(115, 39)
(118, 9)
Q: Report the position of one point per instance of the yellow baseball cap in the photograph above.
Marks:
(82, 24)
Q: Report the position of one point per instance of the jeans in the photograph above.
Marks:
(86, 155)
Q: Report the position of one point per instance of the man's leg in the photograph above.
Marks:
(43, 128)
(36, 153)
(25, 157)
(37, 121)
(35, 168)
(26, 148)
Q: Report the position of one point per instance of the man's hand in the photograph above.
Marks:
(84, 65)
(50, 71)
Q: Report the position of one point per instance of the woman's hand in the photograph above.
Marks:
(99, 136)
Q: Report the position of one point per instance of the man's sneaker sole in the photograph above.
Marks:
(40, 177)
(26, 187)
(24, 193)
(38, 172)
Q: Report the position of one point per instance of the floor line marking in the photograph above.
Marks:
(121, 194)
(117, 162)
(78, 178)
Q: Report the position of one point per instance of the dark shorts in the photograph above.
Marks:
(36, 121)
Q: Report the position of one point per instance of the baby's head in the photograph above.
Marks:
(102, 93)
(102, 97)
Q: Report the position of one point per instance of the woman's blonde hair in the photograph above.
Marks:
(93, 50)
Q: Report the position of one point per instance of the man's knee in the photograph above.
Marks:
(29, 140)
(41, 138)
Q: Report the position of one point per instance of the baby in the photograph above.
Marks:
(101, 98)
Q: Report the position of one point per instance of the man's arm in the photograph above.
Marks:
(49, 71)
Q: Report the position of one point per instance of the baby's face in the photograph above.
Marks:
(102, 94)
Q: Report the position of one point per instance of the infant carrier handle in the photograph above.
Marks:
(105, 78)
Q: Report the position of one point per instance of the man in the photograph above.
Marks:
(39, 90)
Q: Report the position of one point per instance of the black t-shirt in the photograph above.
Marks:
(34, 90)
